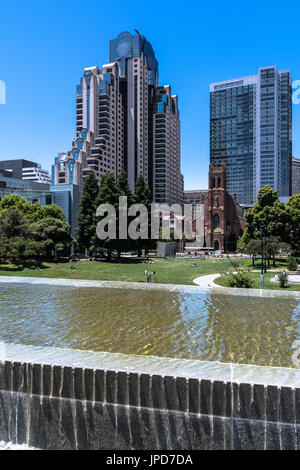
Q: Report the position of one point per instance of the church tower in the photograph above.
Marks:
(215, 229)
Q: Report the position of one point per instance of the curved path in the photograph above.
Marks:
(208, 281)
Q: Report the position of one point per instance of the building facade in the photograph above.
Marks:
(167, 178)
(295, 175)
(219, 220)
(66, 196)
(26, 170)
(36, 174)
(251, 132)
(196, 199)
(29, 190)
(124, 120)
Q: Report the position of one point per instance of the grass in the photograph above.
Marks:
(223, 281)
(167, 271)
(171, 271)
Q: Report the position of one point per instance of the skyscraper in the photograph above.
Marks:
(168, 185)
(251, 132)
(124, 120)
(295, 175)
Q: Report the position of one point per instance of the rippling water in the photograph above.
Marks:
(202, 326)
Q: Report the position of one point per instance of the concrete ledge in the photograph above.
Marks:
(136, 285)
(50, 400)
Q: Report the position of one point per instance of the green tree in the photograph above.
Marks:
(108, 194)
(53, 234)
(54, 211)
(142, 195)
(268, 211)
(32, 212)
(292, 264)
(243, 242)
(123, 189)
(293, 210)
(16, 240)
(253, 248)
(87, 214)
(274, 246)
(13, 224)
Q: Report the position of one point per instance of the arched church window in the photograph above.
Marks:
(213, 182)
(216, 221)
(219, 181)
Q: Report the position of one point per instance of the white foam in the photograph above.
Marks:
(11, 446)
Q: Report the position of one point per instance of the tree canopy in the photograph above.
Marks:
(53, 234)
(28, 230)
(281, 221)
(87, 213)
(32, 212)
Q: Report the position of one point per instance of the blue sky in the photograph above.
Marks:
(46, 44)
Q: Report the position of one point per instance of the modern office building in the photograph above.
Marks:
(27, 170)
(67, 197)
(295, 175)
(124, 120)
(29, 190)
(251, 132)
(37, 174)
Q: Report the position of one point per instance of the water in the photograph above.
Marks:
(11, 446)
(189, 325)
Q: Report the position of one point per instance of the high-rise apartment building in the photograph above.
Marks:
(167, 187)
(139, 79)
(251, 132)
(124, 120)
(295, 175)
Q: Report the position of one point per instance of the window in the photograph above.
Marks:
(216, 221)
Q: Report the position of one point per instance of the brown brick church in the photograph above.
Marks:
(218, 216)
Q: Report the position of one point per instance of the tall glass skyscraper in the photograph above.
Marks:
(117, 113)
(251, 132)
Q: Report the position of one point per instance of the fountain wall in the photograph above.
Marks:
(65, 399)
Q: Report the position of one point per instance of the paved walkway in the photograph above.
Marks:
(208, 281)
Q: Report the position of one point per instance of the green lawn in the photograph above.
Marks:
(172, 271)
(223, 281)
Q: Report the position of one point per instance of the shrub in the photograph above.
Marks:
(292, 264)
(283, 279)
(7, 267)
(235, 264)
(240, 280)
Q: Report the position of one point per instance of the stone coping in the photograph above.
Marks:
(189, 369)
(143, 286)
